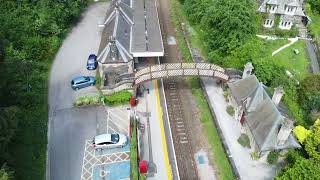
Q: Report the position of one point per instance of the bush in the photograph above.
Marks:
(87, 100)
(244, 140)
(301, 133)
(117, 98)
(255, 155)
(230, 110)
(273, 157)
(226, 94)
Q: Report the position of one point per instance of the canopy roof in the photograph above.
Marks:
(131, 29)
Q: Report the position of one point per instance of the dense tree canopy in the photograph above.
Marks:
(229, 24)
(30, 35)
(315, 5)
(310, 92)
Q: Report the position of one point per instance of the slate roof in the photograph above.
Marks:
(261, 114)
(282, 5)
(130, 26)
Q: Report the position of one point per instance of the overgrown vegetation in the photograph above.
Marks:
(244, 140)
(30, 35)
(273, 157)
(134, 150)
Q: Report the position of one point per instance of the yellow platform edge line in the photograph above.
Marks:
(163, 137)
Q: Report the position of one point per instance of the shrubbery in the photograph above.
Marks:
(301, 133)
(273, 157)
(88, 100)
(244, 140)
(117, 98)
(230, 110)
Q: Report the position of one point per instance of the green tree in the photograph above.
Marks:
(306, 169)
(310, 92)
(229, 24)
(196, 9)
(312, 142)
(315, 5)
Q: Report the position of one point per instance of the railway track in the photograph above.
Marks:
(176, 106)
(180, 130)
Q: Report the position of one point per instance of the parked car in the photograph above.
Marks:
(113, 140)
(82, 82)
(92, 62)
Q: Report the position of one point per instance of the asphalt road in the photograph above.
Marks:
(69, 127)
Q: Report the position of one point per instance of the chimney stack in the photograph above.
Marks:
(284, 132)
(247, 70)
(277, 95)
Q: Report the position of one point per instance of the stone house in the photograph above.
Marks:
(131, 30)
(261, 115)
(287, 12)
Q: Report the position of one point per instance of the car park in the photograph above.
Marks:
(82, 82)
(112, 140)
(92, 62)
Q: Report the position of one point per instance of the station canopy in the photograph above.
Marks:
(131, 29)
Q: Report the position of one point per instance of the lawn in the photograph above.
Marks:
(297, 64)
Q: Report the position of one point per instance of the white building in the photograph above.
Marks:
(290, 12)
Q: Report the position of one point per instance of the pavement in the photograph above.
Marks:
(68, 127)
(149, 105)
(231, 130)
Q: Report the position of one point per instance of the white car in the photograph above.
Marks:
(113, 140)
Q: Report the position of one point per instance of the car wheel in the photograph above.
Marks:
(92, 84)
(77, 88)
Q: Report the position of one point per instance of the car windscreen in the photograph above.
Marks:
(115, 138)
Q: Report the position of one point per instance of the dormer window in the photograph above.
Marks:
(272, 8)
(290, 9)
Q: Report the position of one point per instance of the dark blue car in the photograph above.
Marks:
(92, 62)
(82, 82)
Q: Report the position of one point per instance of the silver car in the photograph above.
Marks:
(113, 140)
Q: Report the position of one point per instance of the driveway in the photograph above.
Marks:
(69, 127)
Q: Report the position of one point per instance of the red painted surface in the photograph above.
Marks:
(132, 101)
(242, 119)
(143, 166)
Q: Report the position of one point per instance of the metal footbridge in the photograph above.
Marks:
(179, 69)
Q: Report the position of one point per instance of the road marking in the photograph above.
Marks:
(163, 137)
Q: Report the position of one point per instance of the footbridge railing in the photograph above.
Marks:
(179, 69)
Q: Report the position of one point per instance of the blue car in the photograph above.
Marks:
(92, 62)
(82, 82)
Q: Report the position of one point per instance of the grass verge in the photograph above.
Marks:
(133, 151)
(224, 170)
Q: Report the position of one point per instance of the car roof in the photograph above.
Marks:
(80, 78)
(92, 56)
(102, 138)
